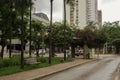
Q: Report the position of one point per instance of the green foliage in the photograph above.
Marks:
(38, 33)
(85, 36)
(9, 62)
(116, 42)
(10, 20)
(1, 63)
(91, 37)
(58, 35)
(70, 2)
(9, 70)
(41, 59)
(16, 69)
(112, 29)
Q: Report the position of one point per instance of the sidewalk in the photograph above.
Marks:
(42, 72)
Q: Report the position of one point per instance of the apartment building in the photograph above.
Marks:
(82, 12)
(99, 18)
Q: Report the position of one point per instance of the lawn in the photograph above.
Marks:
(11, 66)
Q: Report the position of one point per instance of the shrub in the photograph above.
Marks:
(1, 62)
(9, 62)
(42, 59)
(15, 61)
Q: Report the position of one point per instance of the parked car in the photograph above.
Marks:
(79, 52)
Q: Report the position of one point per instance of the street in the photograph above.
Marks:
(104, 69)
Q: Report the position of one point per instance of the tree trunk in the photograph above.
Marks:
(64, 29)
(53, 51)
(2, 51)
(73, 51)
(37, 52)
(10, 37)
(37, 48)
(85, 51)
(30, 29)
(50, 34)
(2, 44)
(22, 34)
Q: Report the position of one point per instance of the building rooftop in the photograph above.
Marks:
(42, 15)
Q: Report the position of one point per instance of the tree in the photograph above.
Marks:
(116, 43)
(22, 34)
(50, 33)
(21, 6)
(89, 38)
(71, 6)
(4, 23)
(37, 35)
(30, 28)
(10, 37)
(30, 5)
(9, 21)
(92, 25)
(64, 29)
(58, 36)
(113, 31)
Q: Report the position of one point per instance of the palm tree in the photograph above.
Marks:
(11, 7)
(71, 5)
(50, 34)
(22, 34)
(30, 28)
(64, 29)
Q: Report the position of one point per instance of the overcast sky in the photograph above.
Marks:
(110, 9)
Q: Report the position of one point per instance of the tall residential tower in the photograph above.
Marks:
(82, 12)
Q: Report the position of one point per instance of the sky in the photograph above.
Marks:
(110, 9)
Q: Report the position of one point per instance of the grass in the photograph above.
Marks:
(10, 70)
(15, 69)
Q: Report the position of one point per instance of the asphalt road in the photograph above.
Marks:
(104, 69)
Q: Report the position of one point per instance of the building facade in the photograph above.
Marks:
(16, 43)
(99, 18)
(82, 12)
(40, 17)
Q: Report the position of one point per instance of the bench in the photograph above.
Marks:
(31, 61)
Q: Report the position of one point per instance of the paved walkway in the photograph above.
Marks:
(41, 72)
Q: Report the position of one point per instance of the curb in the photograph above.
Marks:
(54, 72)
